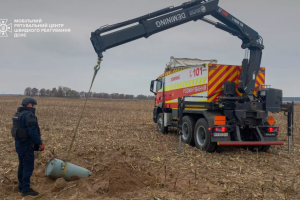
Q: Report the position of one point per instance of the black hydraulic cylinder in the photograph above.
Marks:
(227, 29)
(230, 98)
(222, 27)
(253, 69)
(243, 76)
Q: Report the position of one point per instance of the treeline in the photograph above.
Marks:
(68, 92)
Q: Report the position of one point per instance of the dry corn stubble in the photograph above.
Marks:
(128, 158)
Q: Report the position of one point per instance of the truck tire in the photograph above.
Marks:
(188, 125)
(160, 126)
(155, 120)
(202, 136)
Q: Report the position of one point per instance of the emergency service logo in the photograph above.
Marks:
(24, 27)
(4, 28)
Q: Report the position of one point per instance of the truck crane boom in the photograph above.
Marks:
(170, 17)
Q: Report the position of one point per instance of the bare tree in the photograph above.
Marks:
(77, 94)
(86, 94)
(74, 93)
(54, 92)
(121, 96)
(114, 95)
(27, 91)
(34, 92)
(48, 92)
(60, 92)
(67, 91)
(128, 96)
(106, 95)
(82, 94)
(64, 89)
(43, 92)
(151, 97)
(99, 95)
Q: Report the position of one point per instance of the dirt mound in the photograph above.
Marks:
(121, 177)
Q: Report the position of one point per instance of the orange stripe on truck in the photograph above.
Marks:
(216, 75)
(212, 72)
(216, 86)
(222, 78)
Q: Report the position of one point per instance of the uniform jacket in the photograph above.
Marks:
(33, 132)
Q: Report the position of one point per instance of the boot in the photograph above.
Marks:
(30, 192)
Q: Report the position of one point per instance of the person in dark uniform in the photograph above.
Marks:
(26, 133)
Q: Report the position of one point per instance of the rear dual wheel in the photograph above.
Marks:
(188, 125)
(198, 134)
(202, 137)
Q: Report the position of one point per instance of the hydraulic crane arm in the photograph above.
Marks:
(170, 17)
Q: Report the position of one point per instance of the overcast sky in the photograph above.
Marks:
(47, 60)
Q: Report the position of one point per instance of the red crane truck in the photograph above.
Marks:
(202, 82)
(237, 114)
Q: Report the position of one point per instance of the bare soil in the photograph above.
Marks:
(129, 159)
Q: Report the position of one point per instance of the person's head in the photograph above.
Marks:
(29, 102)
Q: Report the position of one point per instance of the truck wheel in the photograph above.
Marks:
(160, 126)
(202, 136)
(265, 148)
(155, 120)
(188, 125)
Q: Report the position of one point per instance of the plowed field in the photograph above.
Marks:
(129, 159)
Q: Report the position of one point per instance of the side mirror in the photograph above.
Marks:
(152, 88)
